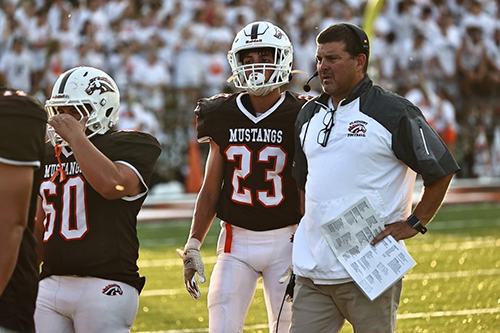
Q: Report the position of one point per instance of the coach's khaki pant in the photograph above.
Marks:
(324, 308)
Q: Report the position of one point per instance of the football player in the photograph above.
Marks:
(22, 138)
(248, 182)
(92, 190)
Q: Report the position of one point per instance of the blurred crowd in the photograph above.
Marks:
(443, 55)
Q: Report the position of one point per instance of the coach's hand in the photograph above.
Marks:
(399, 230)
(192, 264)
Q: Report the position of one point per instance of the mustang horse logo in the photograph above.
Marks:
(99, 83)
(112, 290)
(278, 34)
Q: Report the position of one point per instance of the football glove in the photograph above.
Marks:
(192, 264)
(291, 284)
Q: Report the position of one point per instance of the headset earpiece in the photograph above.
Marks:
(363, 38)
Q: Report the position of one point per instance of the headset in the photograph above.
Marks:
(363, 40)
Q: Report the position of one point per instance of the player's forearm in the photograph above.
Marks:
(432, 198)
(102, 174)
(204, 214)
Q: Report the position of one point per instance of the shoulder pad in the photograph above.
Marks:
(218, 96)
(207, 105)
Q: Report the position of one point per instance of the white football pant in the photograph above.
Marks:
(244, 256)
(71, 304)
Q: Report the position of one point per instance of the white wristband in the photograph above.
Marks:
(192, 243)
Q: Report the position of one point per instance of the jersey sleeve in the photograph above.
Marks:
(204, 115)
(201, 123)
(22, 130)
(138, 150)
(418, 145)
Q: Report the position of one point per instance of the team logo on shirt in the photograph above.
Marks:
(357, 128)
(99, 83)
(112, 290)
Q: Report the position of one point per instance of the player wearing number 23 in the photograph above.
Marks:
(248, 182)
(93, 187)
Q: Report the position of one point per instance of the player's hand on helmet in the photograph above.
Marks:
(67, 126)
(191, 257)
(288, 276)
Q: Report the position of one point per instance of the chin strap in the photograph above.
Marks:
(260, 91)
(60, 170)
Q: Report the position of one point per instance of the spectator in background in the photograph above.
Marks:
(443, 70)
(69, 39)
(445, 122)
(38, 38)
(25, 15)
(217, 70)
(187, 70)
(472, 61)
(414, 61)
(482, 157)
(16, 66)
(303, 60)
(385, 58)
(475, 16)
(151, 77)
(54, 66)
(89, 54)
(493, 58)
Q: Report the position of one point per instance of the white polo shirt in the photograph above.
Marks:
(368, 153)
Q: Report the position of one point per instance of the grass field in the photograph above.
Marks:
(455, 286)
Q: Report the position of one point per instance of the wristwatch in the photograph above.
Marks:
(415, 223)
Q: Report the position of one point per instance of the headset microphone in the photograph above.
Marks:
(306, 86)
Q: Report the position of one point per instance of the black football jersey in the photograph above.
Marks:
(22, 137)
(86, 234)
(258, 191)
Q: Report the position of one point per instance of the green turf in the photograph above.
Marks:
(455, 286)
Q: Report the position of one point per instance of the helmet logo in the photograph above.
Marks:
(99, 83)
(278, 34)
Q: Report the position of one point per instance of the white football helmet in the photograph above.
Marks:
(92, 92)
(251, 77)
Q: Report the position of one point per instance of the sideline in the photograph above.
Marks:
(173, 206)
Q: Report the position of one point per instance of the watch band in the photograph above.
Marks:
(415, 223)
